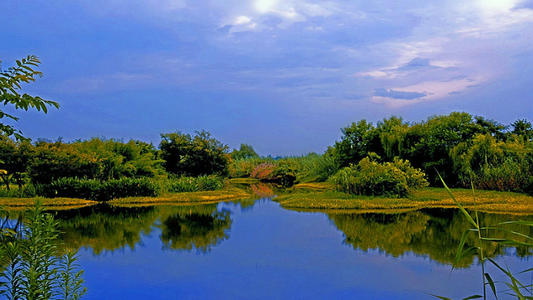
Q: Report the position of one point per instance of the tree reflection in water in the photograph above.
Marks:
(435, 233)
(107, 228)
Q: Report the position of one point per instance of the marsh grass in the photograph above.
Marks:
(319, 196)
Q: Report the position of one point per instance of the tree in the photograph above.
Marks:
(357, 141)
(11, 81)
(188, 156)
(245, 151)
(14, 160)
(523, 128)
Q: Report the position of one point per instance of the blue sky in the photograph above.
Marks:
(282, 75)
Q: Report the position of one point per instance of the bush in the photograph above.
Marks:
(195, 184)
(92, 189)
(371, 178)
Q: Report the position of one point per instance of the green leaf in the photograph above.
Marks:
(491, 284)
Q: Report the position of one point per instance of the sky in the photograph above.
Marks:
(281, 75)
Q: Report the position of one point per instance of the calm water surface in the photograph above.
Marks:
(258, 250)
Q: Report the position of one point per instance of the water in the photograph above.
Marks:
(258, 250)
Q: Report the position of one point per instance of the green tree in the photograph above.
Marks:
(358, 139)
(245, 151)
(193, 156)
(11, 81)
(14, 160)
(523, 128)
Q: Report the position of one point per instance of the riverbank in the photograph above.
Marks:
(319, 196)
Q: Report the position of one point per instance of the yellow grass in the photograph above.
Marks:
(305, 197)
(46, 203)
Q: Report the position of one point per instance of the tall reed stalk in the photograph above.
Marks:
(515, 287)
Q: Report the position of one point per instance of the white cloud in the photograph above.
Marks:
(433, 90)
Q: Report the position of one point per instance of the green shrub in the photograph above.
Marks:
(92, 189)
(392, 179)
(195, 184)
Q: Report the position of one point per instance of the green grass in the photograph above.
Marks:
(318, 196)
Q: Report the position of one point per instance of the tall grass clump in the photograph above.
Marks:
(92, 189)
(26, 191)
(368, 177)
(195, 184)
(33, 267)
(313, 167)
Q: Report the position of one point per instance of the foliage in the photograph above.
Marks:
(245, 152)
(11, 81)
(93, 159)
(313, 167)
(281, 172)
(244, 167)
(369, 177)
(195, 184)
(193, 156)
(14, 160)
(437, 143)
(27, 191)
(358, 139)
(35, 269)
(264, 171)
(92, 189)
(492, 164)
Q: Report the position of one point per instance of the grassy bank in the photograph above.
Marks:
(206, 197)
(319, 196)
(229, 193)
(47, 203)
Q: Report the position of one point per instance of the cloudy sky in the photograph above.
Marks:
(282, 75)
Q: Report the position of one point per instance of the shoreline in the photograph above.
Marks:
(310, 197)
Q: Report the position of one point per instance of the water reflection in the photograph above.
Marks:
(107, 228)
(435, 233)
(195, 230)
